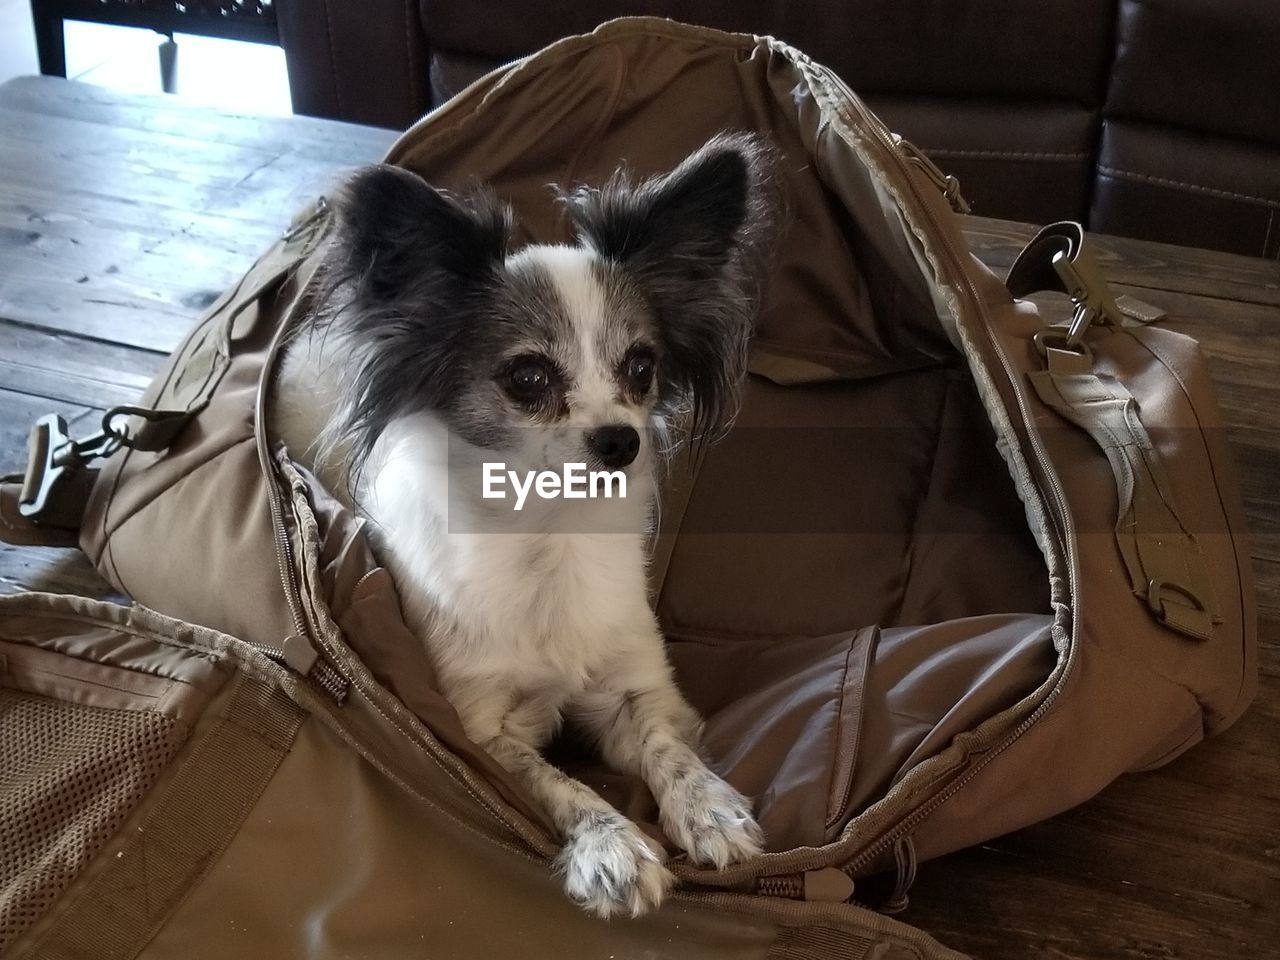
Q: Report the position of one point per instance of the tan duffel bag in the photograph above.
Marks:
(952, 571)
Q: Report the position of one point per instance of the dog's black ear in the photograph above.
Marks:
(407, 269)
(694, 239)
(401, 239)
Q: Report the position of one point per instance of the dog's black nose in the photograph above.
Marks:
(615, 446)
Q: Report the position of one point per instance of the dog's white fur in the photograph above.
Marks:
(527, 624)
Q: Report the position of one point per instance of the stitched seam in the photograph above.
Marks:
(833, 815)
(1183, 185)
(948, 153)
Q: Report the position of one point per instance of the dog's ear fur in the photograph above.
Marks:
(405, 240)
(406, 269)
(694, 240)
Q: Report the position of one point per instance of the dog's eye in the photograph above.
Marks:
(638, 371)
(528, 380)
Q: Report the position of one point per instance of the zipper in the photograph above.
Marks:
(321, 672)
(787, 886)
(824, 885)
(304, 652)
(947, 184)
(268, 651)
(856, 117)
(894, 147)
(301, 650)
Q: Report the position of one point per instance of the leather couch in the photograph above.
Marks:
(1157, 119)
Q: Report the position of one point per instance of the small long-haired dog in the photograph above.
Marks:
(435, 348)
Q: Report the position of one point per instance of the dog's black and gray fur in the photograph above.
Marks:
(436, 346)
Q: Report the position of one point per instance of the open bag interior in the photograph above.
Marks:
(853, 581)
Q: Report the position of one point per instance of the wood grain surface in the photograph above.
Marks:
(122, 216)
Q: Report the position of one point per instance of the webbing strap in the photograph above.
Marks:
(143, 879)
(1163, 560)
(816, 942)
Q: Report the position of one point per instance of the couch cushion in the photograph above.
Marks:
(1180, 186)
(1148, 118)
(1050, 48)
(1211, 67)
(1190, 148)
(1026, 161)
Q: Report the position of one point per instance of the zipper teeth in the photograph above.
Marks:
(338, 686)
(267, 650)
(284, 560)
(789, 886)
(1049, 479)
(322, 672)
(327, 676)
(330, 680)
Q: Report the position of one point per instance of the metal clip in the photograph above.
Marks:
(1093, 302)
(1059, 338)
(55, 467)
(307, 218)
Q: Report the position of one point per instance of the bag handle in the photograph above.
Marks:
(1162, 558)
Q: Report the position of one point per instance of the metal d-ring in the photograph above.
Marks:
(1057, 338)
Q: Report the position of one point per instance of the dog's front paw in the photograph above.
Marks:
(609, 866)
(711, 820)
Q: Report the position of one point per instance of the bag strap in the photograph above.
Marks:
(1163, 560)
(44, 505)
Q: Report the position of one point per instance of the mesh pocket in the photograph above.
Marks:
(69, 776)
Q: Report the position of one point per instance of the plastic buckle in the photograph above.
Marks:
(54, 460)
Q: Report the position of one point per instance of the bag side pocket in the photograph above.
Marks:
(133, 748)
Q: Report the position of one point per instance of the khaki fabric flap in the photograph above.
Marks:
(207, 352)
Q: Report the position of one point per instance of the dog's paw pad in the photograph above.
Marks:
(712, 821)
(609, 866)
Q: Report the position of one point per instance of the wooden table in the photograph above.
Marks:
(122, 216)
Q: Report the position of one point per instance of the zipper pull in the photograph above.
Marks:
(904, 858)
(948, 185)
(828, 885)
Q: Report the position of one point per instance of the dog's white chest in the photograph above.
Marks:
(547, 607)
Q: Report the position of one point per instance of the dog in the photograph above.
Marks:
(433, 347)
